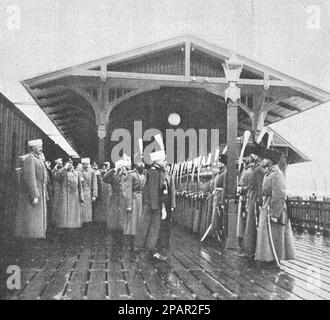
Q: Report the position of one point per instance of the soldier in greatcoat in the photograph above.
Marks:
(133, 185)
(89, 185)
(208, 189)
(153, 210)
(49, 196)
(119, 203)
(76, 161)
(106, 194)
(254, 201)
(219, 196)
(31, 218)
(70, 195)
(97, 206)
(56, 191)
(274, 194)
(168, 199)
(242, 191)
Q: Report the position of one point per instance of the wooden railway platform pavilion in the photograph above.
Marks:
(188, 76)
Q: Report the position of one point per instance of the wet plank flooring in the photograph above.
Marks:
(80, 267)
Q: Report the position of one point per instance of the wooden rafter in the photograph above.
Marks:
(49, 101)
(75, 121)
(61, 107)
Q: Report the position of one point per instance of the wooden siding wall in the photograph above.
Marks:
(203, 65)
(169, 62)
(173, 62)
(15, 131)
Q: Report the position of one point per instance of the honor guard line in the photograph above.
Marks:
(208, 86)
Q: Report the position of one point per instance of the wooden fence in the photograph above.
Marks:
(311, 215)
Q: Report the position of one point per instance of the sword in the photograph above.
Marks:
(210, 227)
(207, 232)
(239, 209)
(256, 213)
(269, 228)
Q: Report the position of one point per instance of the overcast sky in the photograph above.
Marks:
(285, 35)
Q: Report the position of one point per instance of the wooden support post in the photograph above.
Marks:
(102, 117)
(187, 59)
(101, 131)
(232, 242)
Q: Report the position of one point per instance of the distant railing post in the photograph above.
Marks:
(326, 217)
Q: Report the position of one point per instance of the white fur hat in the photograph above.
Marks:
(122, 163)
(86, 160)
(35, 143)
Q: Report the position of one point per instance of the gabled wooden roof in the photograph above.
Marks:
(185, 61)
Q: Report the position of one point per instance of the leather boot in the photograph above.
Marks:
(131, 248)
(114, 246)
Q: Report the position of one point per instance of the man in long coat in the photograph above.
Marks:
(49, 197)
(56, 190)
(105, 194)
(133, 187)
(148, 230)
(31, 218)
(70, 195)
(97, 205)
(242, 190)
(254, 202)
(274, 192)
(219, 196)
(168, 198)
(89, 188)
(119, 202)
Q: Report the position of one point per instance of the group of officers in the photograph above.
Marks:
(137, 206)
(139, 203)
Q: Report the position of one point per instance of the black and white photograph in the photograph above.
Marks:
(165, 150)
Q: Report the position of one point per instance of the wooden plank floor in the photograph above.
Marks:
(79, 267)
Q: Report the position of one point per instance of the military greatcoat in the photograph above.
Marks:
(254, 199)
(273, 189)
(118, 200)
(31, 219)
(89, 185)
(70, 194)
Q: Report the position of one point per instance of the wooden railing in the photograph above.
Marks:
(311, 215)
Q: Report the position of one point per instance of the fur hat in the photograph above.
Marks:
(121, 163)
(86, 160)
(272, 155)
(35, 143)
(257, 149)
(59, 161)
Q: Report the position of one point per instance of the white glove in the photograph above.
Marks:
(164, 214)
(275, 220)
(35, 201)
